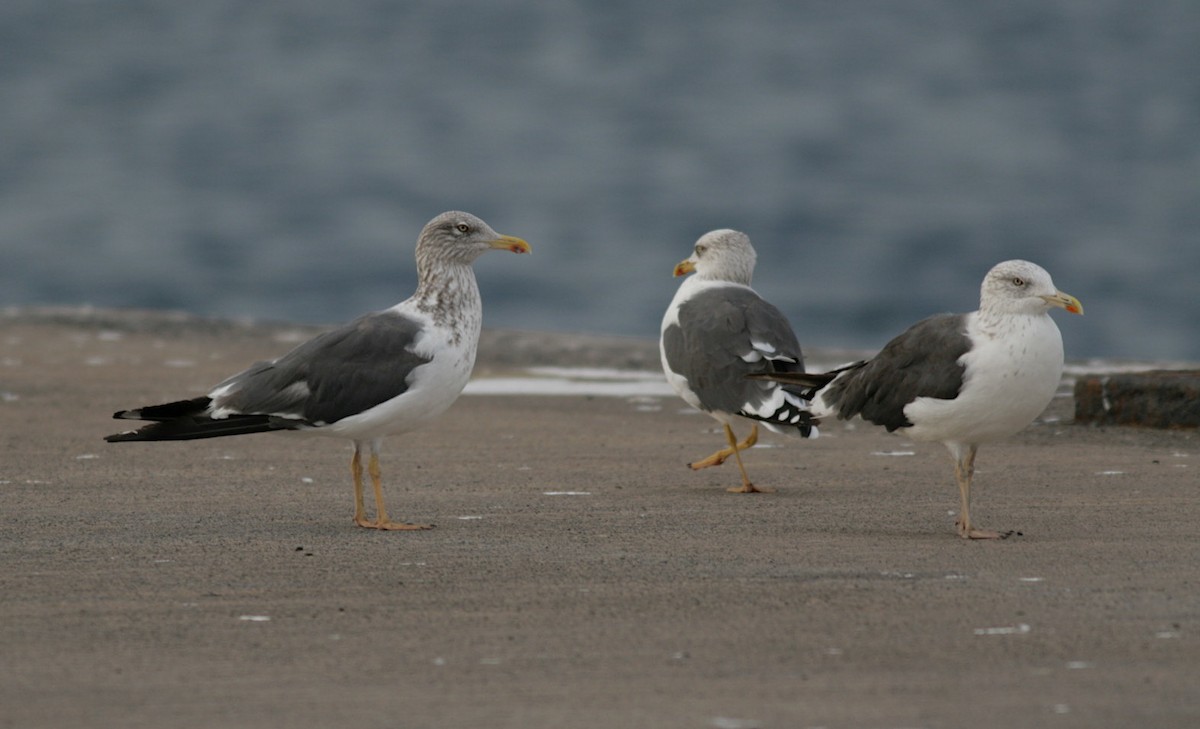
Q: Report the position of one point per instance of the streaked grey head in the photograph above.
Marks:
(721, 255)
(458, 237)
(1021, 287)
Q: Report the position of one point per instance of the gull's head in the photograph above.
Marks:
(1021, 287)
(721, 255)
(458, 237)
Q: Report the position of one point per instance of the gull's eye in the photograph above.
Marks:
(1018, 281)
(700, 250)
(462, 227)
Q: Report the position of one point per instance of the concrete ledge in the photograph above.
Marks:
(1155, 399)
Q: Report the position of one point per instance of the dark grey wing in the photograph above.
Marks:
(334, 375)
(921, 362)
(725, 334)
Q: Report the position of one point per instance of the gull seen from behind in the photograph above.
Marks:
(716, 333)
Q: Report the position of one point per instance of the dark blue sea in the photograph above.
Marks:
(275, 159)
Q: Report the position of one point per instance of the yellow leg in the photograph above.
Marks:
(751, 440)
(381, 517)
(964, 471)
(360, 512)
(356, 469)
(719, 457)
(746, 487)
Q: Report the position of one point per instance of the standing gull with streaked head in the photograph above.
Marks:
(382, 374)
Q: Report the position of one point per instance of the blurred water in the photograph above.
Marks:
(276, 159)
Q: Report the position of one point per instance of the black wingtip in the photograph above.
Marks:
(190, 420)
(807, 425)
(786, 418)
(806, 384)
(128, 435)
(166, 411)
(806, 379)
(198, 428)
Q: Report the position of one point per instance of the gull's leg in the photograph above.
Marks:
(719, 457)
(746, 487)
(964, 471)
(751, 439)
(356, 469)
(381, 517)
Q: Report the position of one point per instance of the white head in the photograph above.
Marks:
(721, 255)
(1021, 287)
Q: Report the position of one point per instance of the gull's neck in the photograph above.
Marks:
(737, 275)
(448, 293)
(995, 319)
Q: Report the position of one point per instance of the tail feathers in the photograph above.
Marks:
(189, 420)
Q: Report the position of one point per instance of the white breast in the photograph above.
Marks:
(1012, 373)
(433, 387)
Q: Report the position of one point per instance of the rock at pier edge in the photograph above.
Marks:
(1155, 399)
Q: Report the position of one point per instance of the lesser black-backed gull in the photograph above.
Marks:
(961, 379)
(715, 333)
(382, 374)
